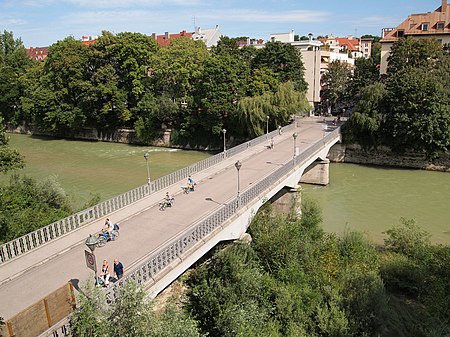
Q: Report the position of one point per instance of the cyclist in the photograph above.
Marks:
(108, 228)
(191, 183)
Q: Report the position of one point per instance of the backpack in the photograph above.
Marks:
(116, 227)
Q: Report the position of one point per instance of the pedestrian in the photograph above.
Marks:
(271, 142)
(105, 274)
(118, 269)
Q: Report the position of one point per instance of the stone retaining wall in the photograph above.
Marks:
(385, 157)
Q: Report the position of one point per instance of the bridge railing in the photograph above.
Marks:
(39, 237)
(173, 249)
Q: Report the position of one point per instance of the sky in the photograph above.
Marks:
(40, 23)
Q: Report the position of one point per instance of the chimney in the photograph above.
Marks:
(154, 36)
(166, 35)
(444, 6)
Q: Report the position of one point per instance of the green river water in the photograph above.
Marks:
(373, 199)
(369, 199)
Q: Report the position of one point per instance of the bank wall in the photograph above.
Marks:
(383, 156)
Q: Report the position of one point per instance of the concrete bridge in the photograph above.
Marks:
(157, 246)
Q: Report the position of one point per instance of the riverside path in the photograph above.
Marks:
(143, 227)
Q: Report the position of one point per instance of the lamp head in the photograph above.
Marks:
(238, 165)
(295, 135)
(146, 155)
(91, 242)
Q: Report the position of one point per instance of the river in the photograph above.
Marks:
(373, 199)
(86, 168)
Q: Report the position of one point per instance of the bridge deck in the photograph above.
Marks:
(30, 277)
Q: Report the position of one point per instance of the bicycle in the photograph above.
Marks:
(103, 237)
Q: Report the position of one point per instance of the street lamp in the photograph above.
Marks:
(238, 166)
(267, 127)
(295, 143)
(224, 131)
(146, 155)
(91, 243)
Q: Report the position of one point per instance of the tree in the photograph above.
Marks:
(220, 88)
(412, 53)
(419, 110)
(285, 61)
(13, 64)
(364, 126)
(336, 82)
(90, 317)
(365, 73)
(10, 159)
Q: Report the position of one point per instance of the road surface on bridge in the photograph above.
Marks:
(143, 227)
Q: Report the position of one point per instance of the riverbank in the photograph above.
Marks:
(383, 156)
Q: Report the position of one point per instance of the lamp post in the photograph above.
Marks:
(295, 143)
(267, 127)
(91, 243)
(146, 155)
(224, 131)
(238, 166)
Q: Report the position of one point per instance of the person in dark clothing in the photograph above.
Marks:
(118, 269)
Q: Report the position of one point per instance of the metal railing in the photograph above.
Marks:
(173, 249)
(39, 237)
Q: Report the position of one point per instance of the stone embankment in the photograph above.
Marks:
(383, 156)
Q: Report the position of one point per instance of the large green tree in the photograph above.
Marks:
(418, 84)
(336, 81)
(284, 60)
(13, 64)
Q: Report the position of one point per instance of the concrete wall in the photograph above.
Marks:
(385, 157)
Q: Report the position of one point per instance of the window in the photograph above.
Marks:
(400, 33)
(425, 26)
(440, 26)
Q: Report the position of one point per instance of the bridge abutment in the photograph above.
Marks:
(318, 173)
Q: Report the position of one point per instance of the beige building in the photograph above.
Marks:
(419, 26)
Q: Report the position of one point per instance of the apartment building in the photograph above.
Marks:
(434, 24)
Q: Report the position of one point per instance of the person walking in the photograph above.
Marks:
(118, 269)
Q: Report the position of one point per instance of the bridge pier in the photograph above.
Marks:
(286, 199)
(318, 173)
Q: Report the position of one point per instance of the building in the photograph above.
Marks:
(419, 26)
(37, 53)
(255, 43)
(164, 40)
(316, 56)
(209, 36)
(353, 46)
(311, 53)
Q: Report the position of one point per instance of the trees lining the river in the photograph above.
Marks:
(127, 80)
(409, 108)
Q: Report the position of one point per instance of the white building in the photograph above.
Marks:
(209, 36)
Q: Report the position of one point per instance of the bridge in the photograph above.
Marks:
(157, 246)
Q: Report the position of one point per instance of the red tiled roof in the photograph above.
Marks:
(350, 44)
(412, 26)
(37, 53)
(164, 40)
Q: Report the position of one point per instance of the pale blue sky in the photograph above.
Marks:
(42, 22)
